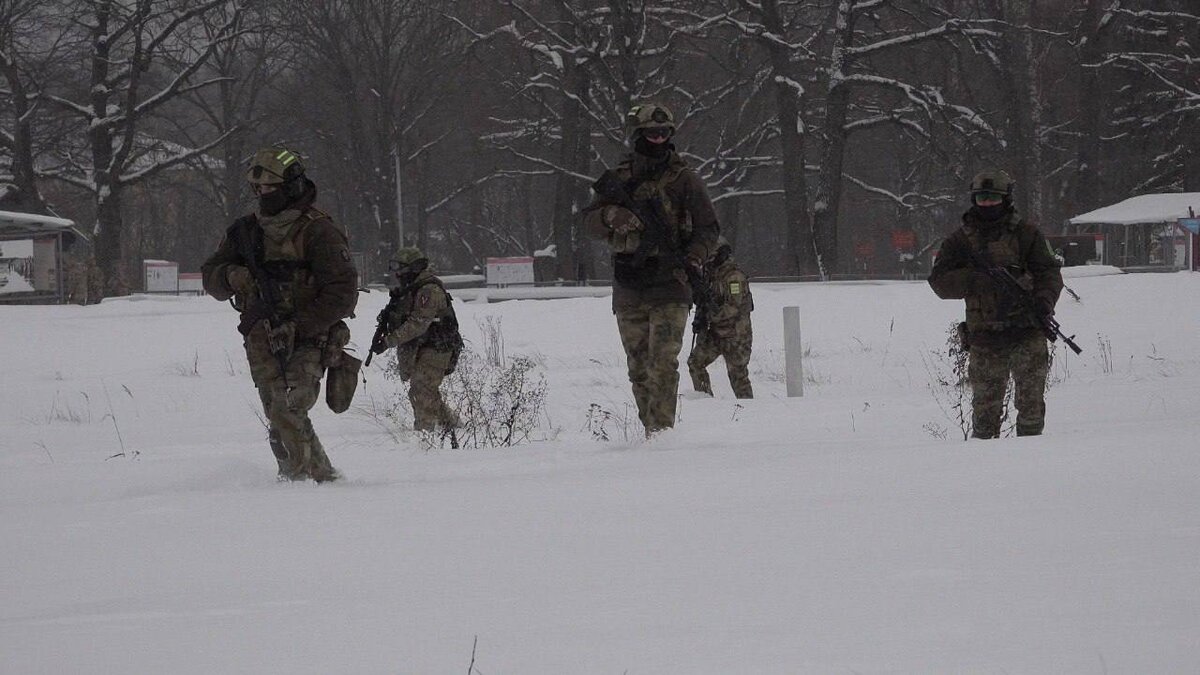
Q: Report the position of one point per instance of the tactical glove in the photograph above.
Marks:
(239, 279)
(282, 338)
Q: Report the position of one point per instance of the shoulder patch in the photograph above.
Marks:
(735, 288)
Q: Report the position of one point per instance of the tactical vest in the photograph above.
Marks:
(992, 310)
(284, 261)
(442, 335)
(647, 268)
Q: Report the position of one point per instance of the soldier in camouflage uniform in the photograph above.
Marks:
(424, 331)
(1004, 337)
(722, 325)
(651, 295)
(301, 260)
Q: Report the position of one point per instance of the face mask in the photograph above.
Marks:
(272, 202)
(645, 147)
(993, 212)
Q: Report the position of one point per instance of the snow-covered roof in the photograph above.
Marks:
(32, 223)
(1153, 208)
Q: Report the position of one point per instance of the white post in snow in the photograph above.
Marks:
(792, 367)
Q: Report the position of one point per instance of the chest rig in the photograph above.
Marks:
(283, 260)
(990, 309)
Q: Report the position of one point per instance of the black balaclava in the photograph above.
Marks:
(993, 213)
(655, 151)
(286, 195)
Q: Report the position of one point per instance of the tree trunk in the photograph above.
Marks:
(829, 186)
(801, 253)
(566, 187)
(1087, 163)
(27, 197)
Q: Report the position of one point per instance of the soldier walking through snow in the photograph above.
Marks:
(655, 214)
(287, 268)
(419, 321)
(721, 327)
(1004, 336)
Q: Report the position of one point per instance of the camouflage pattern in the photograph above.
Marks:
(425, 348)
(992, 318)
(293, 441)
(408, 255)
(651, 294)
(273, 166)
(648, 115)
(653, 336)
(728, 332)
(308, 256)
(988, 370)
(1004, 336)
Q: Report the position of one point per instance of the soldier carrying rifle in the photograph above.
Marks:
(655, 215)
(288, 270)
(1010, 279)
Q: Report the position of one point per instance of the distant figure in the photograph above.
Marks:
(660, 226)
(419, 321)
(1003, 336)
(721, 327)
(287, 267)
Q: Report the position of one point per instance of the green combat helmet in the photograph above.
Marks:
(408, 260)
(992, 180)
(407, 256)
(649, 115)
(274, 166)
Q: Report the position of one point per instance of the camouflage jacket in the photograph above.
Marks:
(423, 316)
(1011, 243)
(690, 217)
(729, 301)
(305, 253)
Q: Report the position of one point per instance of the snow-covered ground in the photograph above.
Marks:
(142, 530)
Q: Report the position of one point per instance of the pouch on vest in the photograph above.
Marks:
(341, 382)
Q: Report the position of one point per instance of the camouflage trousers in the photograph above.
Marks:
(297, 449)
(1027, 359)
(653, 336)
(424, 369)
(736, 352)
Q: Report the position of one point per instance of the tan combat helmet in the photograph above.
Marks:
(993, 180)
(649, 115)
(274, 166)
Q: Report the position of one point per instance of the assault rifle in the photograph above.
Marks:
(656, 234)
(1008, 285)
(269, 297)
(383, 326)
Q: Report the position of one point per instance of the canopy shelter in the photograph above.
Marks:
(1143, 231)
(31, 257)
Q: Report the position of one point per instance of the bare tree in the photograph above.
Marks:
(142, 55)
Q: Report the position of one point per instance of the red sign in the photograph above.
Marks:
(904, 240)
(864, 249)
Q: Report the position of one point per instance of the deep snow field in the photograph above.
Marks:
(850, 530)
